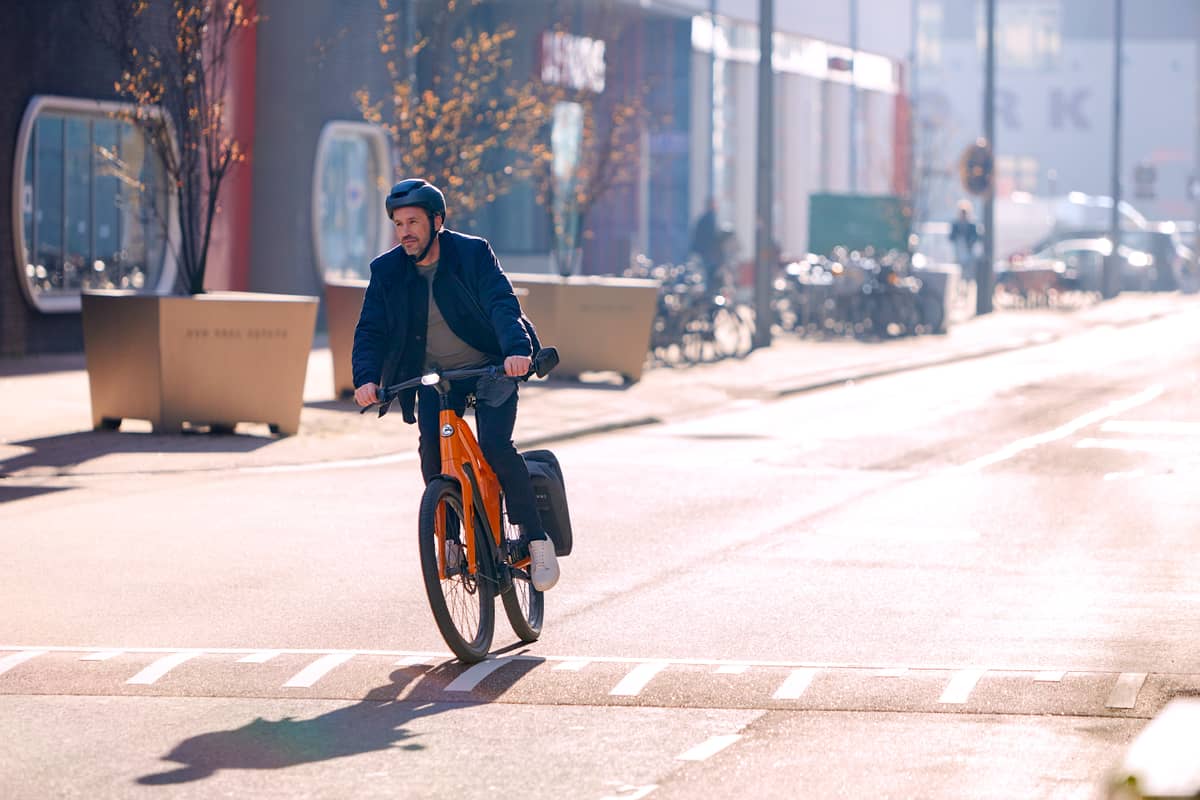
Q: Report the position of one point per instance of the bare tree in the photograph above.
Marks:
(175, 70)
(469, 127)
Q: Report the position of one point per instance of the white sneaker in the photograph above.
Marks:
(543, 565)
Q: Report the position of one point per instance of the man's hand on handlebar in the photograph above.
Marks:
(366, 394)
(517, 366)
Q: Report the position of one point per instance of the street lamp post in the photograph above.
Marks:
(983, 274)
(1112, 271)
(765, 262)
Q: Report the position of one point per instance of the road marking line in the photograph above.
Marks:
(1049, 677)
(8, 662)
(1063, 431)
(317, 670)
(103, 655)
(894, 672)
(1122, 476)
(161, 667)
(1159, 446)
(638, 677)
(1125, 692)
(705, 750)
(573, 666)
(474, 675)
(1152, 427)
(638, 792)
(958, 691)
(412, 661)
(732, 669)
(261, 657)
(410, 687)
(794, 684)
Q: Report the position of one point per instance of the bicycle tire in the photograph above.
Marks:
(463, 605)
(524, 605)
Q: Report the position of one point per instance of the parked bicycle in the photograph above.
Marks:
(469, 550)
(695, 322)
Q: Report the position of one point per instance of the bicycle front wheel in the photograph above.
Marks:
(524, 605)
(461, 598)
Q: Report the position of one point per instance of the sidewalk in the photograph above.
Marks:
(45, 420)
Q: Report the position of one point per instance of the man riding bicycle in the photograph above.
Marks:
(440, 301)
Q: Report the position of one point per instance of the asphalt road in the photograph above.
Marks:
(974, 580)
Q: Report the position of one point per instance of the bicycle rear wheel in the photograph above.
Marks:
(524, 605)
(463, 603)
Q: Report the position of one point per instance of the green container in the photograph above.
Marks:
(857, 221)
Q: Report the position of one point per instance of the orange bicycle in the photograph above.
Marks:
(463, 574)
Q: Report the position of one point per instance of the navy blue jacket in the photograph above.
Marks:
(472, 292)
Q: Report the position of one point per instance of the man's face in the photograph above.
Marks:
(412, 228)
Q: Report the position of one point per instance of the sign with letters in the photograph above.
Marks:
(576, 62)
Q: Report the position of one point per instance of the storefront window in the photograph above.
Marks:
(349, 224)
(94, 204)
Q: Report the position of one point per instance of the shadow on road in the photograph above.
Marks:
(375, 723)
(57, 453)
(9, 494)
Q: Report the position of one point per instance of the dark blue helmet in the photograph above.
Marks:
(416, 192)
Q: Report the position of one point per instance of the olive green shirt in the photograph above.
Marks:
(443, 348)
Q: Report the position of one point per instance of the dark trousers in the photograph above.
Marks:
(494, 429)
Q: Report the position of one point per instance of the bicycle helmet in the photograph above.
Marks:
(416, 192)
(419, 194)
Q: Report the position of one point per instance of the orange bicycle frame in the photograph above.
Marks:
(459, 449)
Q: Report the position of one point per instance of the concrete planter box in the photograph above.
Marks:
(598, 324)
(213, 359)
(343, 303)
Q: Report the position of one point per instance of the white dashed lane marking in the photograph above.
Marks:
(1125, 693)
(795, 684)
(709, 748)
(958, 691)
(317, 670)
(8, 662)
(161, 667)
(528, 678)
(475, 675)
(633, 683)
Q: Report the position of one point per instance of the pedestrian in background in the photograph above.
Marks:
(707, 242)
(964, 233)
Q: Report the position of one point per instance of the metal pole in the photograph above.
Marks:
(712, 79)
(853, 98)
(765, 261)
(914, 23)
(983, 272)
(1112, 271)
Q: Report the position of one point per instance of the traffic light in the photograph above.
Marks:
(976, 168)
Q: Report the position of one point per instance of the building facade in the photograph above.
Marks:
(1054, 100)
(305, 207)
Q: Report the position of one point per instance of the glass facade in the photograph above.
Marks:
(93, 205)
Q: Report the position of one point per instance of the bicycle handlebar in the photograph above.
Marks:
(546, 360)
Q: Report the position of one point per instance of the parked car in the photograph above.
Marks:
(1174, 261)
(1083, 263)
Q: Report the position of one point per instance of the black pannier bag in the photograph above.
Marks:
(550, 494)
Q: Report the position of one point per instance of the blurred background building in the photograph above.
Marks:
(306, 207)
